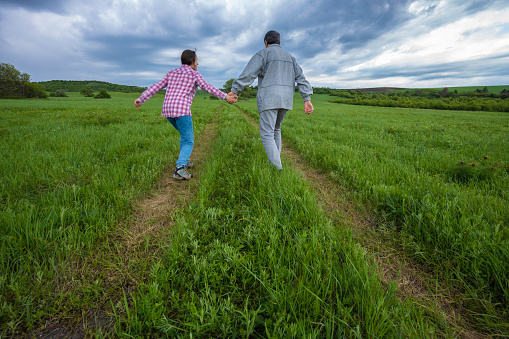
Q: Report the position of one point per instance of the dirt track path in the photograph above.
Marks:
(154, 214)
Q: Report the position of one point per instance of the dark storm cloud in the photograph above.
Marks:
(35, 5)
(125, 50)
(336, 42)
(352, 25)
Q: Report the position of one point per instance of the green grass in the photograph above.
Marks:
(252, 255)
(70, 168)
(452, 217)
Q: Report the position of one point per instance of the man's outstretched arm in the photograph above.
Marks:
(248, 75)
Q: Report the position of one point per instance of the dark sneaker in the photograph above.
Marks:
(182, 174)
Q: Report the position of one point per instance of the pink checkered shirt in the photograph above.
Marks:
(181, 85)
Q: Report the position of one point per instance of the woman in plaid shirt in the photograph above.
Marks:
(181, 85)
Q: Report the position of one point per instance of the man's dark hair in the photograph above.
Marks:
(188, 57)
(272, 37)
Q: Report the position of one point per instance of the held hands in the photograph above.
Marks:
(137, 103)
(232, 98)
(308, 107)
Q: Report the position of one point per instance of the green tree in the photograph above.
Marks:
(86, 91)
(246, 93)
(14, 84)
(33, 90)
(25, 80)
(60, 93)
(227, 87)
(10, 81)
(103, 95)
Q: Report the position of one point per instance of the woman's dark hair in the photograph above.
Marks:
(272, 37)
(188, 57)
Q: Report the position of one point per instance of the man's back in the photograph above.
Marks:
(278, 68)
(276, 81)
(277, 72)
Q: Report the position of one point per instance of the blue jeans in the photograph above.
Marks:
(185, 127)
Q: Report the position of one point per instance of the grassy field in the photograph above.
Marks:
(439, 179)
(442, 177)
(252, 254)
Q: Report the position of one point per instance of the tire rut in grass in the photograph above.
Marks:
(136, 243)
(393, 265)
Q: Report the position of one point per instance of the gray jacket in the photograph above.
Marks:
(277, 73)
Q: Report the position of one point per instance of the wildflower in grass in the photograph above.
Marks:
(473, 164)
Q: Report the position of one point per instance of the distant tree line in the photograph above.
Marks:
(477, 100)
(322, 90)
(93, 85)
(16, 85)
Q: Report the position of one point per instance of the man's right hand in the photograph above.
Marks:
(308, 107)
(137, 103)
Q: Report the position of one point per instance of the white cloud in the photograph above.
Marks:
(167, 56)
(465, 39)
(40, 33)
(152, 76)
(42, 42)
(422, 6)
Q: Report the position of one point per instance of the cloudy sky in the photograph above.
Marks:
(339, 44)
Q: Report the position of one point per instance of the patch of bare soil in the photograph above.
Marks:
(137, 242)
(414, 281)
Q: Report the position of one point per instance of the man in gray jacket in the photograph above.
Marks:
(277, 73)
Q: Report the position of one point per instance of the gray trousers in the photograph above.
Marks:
(270, 131)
